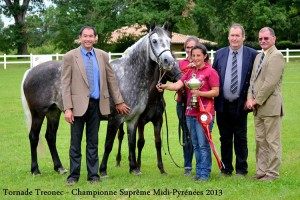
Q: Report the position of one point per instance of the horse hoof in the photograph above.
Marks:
(104, 175)
(62, 170)
(137, 172)
(164, 173)
(36, 172)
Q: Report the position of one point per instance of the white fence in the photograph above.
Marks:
(36, 59)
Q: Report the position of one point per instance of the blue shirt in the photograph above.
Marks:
(227, 82)
(96, 93)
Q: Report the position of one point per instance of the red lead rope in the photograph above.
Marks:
(204, 119)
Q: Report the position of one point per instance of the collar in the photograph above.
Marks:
(84, 51)
(240, 50)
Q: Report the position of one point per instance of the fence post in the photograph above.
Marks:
(109, 56)
(287, 55)
(212, 56)
(4, 64)
(31, 60)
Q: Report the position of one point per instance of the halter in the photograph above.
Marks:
(157, 57)
(152, 49)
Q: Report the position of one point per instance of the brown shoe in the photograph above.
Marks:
(257, 176)
(95, 181)
(268, 178)
(71, 183)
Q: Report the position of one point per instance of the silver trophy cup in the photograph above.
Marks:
(194, 83)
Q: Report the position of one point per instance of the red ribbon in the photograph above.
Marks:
(204, 119)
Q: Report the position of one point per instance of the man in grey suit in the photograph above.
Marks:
(234, 66)
(265, 98)
(87, 83)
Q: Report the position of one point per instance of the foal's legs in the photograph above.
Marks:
(121, 134)
(157, 129)
(53, 117)
(140, 143)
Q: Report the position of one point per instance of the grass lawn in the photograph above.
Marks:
(15, 157)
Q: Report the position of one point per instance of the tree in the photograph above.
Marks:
(13, 8)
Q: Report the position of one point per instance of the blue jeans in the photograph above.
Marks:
(186, 137)
(201, 147)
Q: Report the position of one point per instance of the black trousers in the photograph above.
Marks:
(233, 132)
(92, 120)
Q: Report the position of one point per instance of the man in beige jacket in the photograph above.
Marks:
(87, 83)
(265, 98)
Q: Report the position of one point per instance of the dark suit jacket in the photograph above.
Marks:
(220, 64)
(75, 88)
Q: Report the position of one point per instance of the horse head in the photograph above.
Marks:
(160, 44)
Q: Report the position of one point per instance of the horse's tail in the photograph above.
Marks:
(25, 104)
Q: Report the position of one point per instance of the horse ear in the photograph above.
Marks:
(166, 26)
(152, 25)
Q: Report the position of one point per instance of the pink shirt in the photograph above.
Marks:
(209, 77)
(183, 65)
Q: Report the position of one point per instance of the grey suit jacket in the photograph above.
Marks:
(267, 86)
(75, 88)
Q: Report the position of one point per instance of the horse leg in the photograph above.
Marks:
(53, 117)
(131, 130)
(121, 134)
(157, 130)
(35, 129)
(140, 143)
(112, 128)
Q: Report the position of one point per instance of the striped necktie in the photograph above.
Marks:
(90, 72)
(257, 70)
(234, 74)
(259, 66)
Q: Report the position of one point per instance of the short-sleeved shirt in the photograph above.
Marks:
(183, 65)
(210, 78)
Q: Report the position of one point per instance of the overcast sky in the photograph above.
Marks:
(8, 21)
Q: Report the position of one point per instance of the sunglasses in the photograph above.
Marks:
(263, 38)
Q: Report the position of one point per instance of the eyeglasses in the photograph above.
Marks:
(188, 47)
(263, 38)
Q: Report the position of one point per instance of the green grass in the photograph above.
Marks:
(15, 155)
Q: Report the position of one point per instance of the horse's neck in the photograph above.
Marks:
(140, 61)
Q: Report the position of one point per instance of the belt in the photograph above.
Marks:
(231, 101)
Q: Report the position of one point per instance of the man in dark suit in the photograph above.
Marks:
(234, 66)
(87, 83)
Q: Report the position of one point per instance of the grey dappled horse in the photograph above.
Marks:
(41, 93)
(135, 71)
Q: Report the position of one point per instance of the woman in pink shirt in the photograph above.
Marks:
(209, 79)
(185, 65)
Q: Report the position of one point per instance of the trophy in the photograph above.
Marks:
(194, 83)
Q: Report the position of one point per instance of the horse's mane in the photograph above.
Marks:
(157, 30)
(132, 47)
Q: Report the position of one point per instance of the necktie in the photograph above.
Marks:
(259, 66)
(257, 70)
(90, 72)
(234, 74)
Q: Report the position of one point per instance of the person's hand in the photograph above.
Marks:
(69, 117)
(122, 108)
(195, 92)
(250, 103)
(160, 87)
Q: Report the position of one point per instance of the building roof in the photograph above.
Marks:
(141, 30)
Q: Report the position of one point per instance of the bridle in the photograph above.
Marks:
(153, 51)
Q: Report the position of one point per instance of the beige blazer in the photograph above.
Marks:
(267, 86)
(75, 88)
